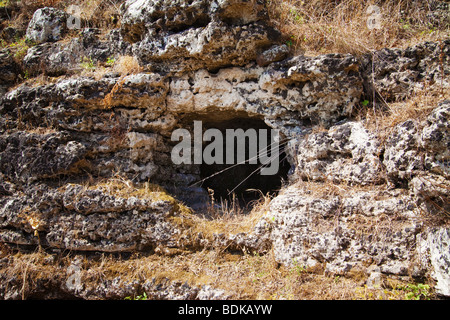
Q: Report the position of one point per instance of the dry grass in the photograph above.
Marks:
(323, 26)
(242, 276)
(125, 65)
(418, 107)
(100, 13)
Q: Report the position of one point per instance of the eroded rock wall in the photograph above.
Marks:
(80, 156)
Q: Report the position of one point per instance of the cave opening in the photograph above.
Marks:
(243, 181)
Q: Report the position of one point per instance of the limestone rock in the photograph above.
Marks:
(402, 157)
(196, 34)
(32, 156)
(47, 25)
(89, 219)
(140, 16)
(435, 139)
(323, 88)
(70, 147)
(346, 153)
(397, 72)
(411, 150)
(212, 47)
(435, 250)
(308, 230)
(56, 58)
(274, 54)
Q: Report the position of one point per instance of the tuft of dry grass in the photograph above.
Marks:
(125, 65)
(418, 106)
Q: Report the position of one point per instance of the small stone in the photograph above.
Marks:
(274, 54)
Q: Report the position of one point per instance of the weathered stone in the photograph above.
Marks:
(398, 72)
(47, 25)
(140, 16)
(346, 153)
(58, 58)
(435, 139)
(29, 157)
(70, 147)
(402, 157)
(308, 231)
(89, 219)
(274, 54)
(410, 150)
(435, 251)
(212, 47)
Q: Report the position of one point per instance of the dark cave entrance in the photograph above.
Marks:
(242, 181)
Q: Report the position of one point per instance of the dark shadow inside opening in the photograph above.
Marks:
(244, 180)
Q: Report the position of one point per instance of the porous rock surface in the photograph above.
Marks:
(209, 61)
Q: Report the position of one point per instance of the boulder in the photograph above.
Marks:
(47, 25)
(435, 251)
(342, 232)
(346, 153)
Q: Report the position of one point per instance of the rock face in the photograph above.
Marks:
(347, 153)
(351, 230)
(196, 34)
(435, 246)
(347, 232)
(56, 58)
(93, 219)
(83, 158)
(397, 72)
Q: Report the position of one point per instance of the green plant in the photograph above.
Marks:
(19, 47)
(291, 41)
(110, 61)
(141, 297)
(299, 269)
(296, 16)
(417, 292)
(365, 103)
(405, 24)
(87, 64)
